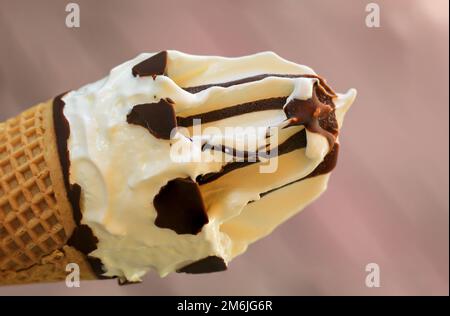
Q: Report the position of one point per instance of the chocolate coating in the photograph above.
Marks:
(82, 238)
(158, 118)
(62, 131)
(327, 165)
(153, 66)
(207, 265)
(180, 207)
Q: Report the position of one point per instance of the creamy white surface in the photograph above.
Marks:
(121, 167)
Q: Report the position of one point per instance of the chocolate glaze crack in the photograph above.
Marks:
(82, 238)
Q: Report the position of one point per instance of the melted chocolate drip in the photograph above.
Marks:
(153, 66)
(180, 207)
(158, 118)
(327, 165)
(82, 238)
(207, 265)
(310, 113)
(296, 141)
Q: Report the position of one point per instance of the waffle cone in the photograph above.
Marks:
(36, 217)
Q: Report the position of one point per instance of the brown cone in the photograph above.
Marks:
(36, 217)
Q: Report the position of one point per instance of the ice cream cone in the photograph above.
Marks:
(119, 177)
(36, 219)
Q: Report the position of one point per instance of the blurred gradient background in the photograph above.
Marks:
(388, 199)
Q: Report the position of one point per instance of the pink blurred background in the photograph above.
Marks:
(388, 199)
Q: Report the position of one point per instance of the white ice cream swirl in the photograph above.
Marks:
(121, 167)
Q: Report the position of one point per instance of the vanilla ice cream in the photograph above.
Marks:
(183, 161)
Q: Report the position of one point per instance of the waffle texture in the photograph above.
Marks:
(36, 218)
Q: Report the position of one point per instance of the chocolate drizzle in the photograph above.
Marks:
(212, 176)
(326, 166)
(180, 207)
(153, 66)
(157, 118)
(235, 110)
(296, 141)
(82, 238)
(317, 114)
(207, 265)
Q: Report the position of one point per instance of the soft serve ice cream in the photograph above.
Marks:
(140, 150)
